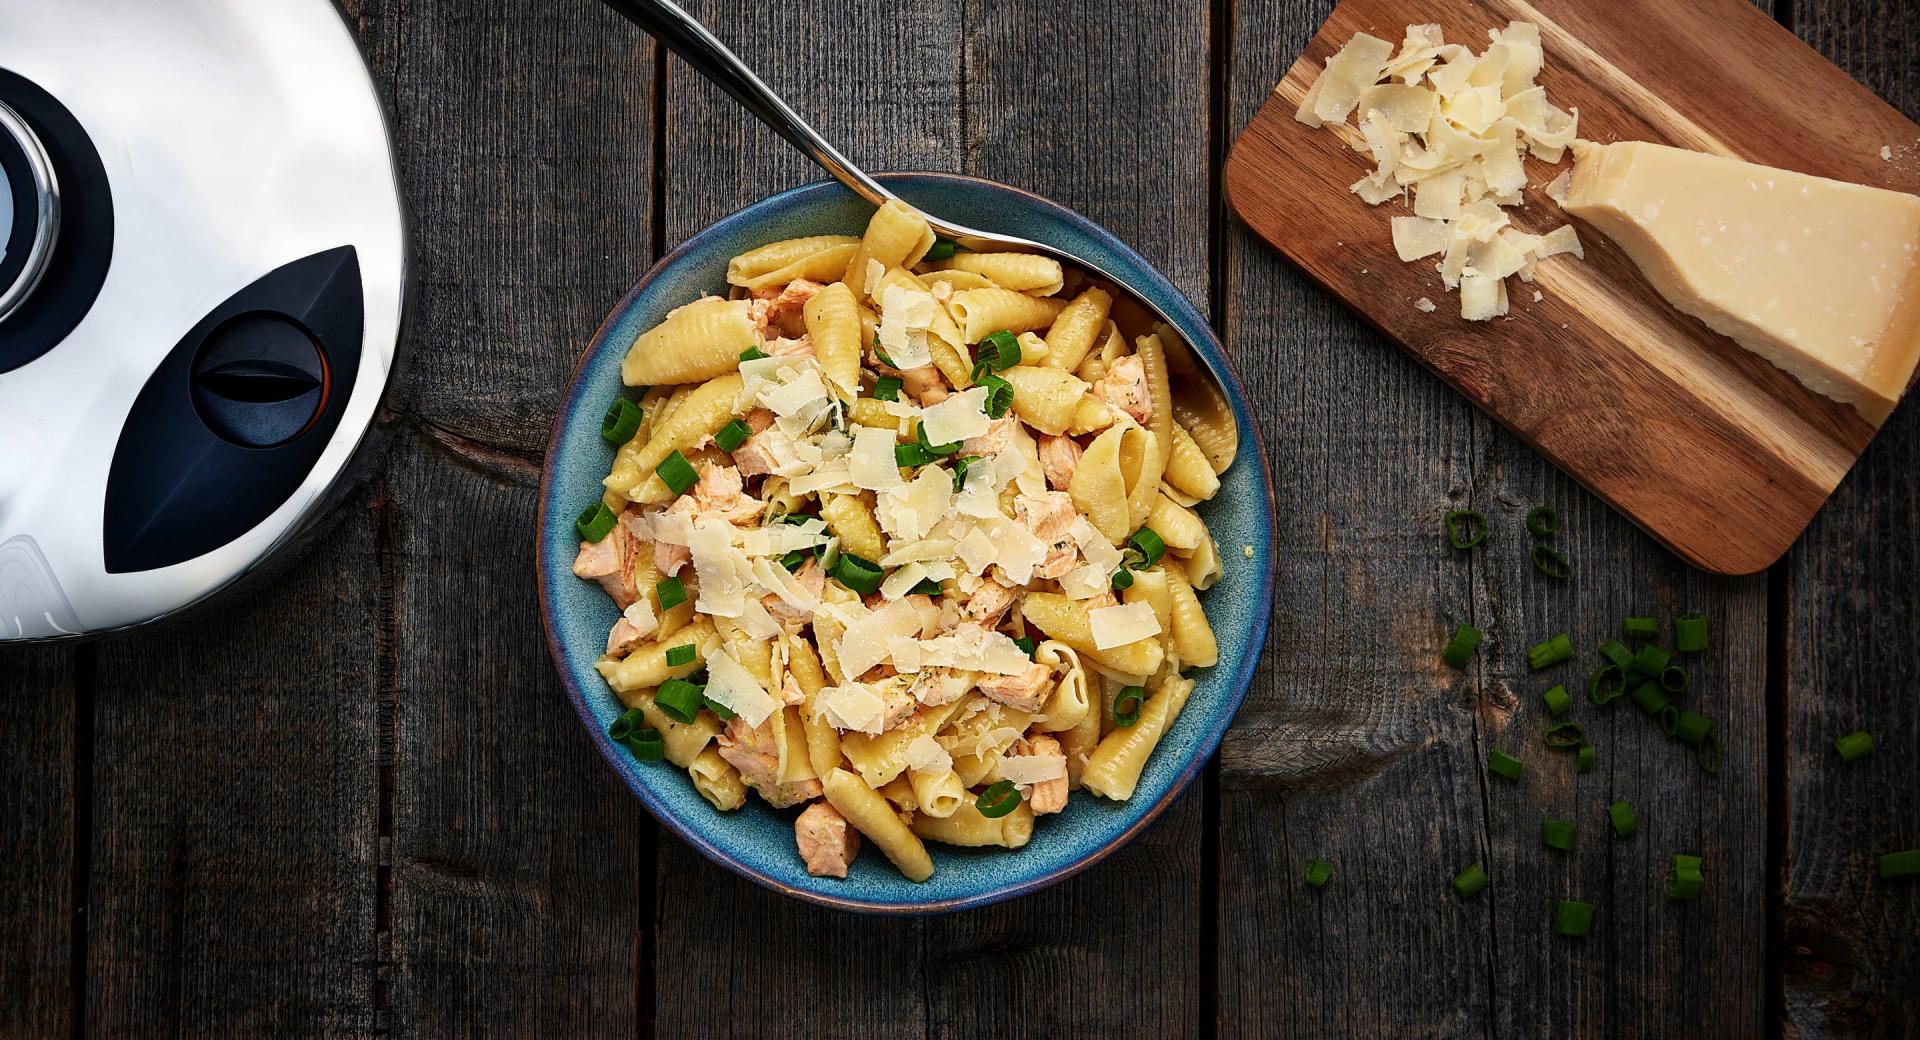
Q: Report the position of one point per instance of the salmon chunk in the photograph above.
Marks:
(1047, 796)
(1024, 692)
(609, 561)
(994, 441)
(1125, 387)
(989, 603)
(1059, 457)
(827, 842)
(755, 753)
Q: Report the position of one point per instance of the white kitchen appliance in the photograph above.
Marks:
(203, 270)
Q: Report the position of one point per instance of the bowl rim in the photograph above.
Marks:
(1210, 739)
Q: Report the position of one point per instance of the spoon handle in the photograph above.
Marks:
(697, 47)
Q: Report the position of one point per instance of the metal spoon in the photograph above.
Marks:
(685, 36)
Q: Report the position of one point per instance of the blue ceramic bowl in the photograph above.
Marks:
(757, 842)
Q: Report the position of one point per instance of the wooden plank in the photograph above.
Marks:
(233, 849)
(1729, 456)
(1358, 745)
(1849, 963)
(38, 816)
(520, 866)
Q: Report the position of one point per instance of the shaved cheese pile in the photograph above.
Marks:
(1453, 128)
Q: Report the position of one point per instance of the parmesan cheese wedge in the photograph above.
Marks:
(1819, 277)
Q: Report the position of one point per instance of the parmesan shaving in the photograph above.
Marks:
(730, 684)
(1028, 770)
(960, 417)
(1454, 128)
(923, 754)
(1118, 626)
(871, 464)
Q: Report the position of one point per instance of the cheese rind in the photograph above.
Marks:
(1819, 277)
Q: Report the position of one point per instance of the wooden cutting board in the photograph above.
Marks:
(1716, 453)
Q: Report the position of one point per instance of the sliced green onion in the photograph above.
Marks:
(1707, 755)
(1123, 579)
(1503, 764)
(1000, 350)
(999, 395)
(1691, 728)
(1854, 745)
(676, 472)
(857, 573)
(1552, 562)
(1624, 823)
(1670, 720)
(1617, 652)
(1690, 633)
(886, 388)
(671, 593)
(1565, 735)
(1027, 646)
(753, 354)
(1470, 881)
(1673, 679)
(1558, 703)
(1466, 639)
(1686, 879)
(1557, 834)
(1550, 653)
(720, 711)
(1318, 872)
(595, 523)
(1900, 864)
(1651, 661)
(1607, 684)
(910, 455)
(998, 800)
(647, 744)
(925, 587)
(623, 727)
(683, 654)
(1651, 698)
(942, 249)
(795, 560)
(732, 435)
(1574, 918)
(1466, 528)
(1585, 759)
(960, 466)
(920, 437)
(1150, 545)
(1126, 705)
(678, 700)
(1543, 521)
(622, 421)
(881, 355)
(1640, 628)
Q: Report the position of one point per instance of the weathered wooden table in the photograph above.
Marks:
(359, 804)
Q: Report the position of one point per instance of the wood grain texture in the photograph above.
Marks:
(520, 866)
(234, 852)
(1359, 746)
(1850, 952)
(38, 788)
(1718, 454)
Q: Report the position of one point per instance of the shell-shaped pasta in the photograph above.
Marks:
(850, 518)
(1033, 349)
(1113, 347)
(1188, 468)
(944, 341)
(870, 411)
(1077, 327)
(1192, 632)
(1141, 466)
(1066, 620)
(939, 795)
(684, 741)
(956, 281)
(1070, 701)
(1045, 398)
(646, 666)
(899, 791)
(1181, 528)
(897, 235)
(1021, 272)
(875, 819)
(982, 312)
(1079, 741)
(1098, 489)
(823, 741)
(700, 340)
(700, 414)
(966, 827)
(819, 258)
(1113, 769)
(1198, 406)
(1203, 563)
(1153, 358)
(717, 781)
(833, 324)
(1092, 415)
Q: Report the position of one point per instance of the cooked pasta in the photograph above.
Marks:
(896, 537)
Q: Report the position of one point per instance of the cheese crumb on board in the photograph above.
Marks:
(1819, 277)
(1886, 153)
(1453, 128)
(1424, 305)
